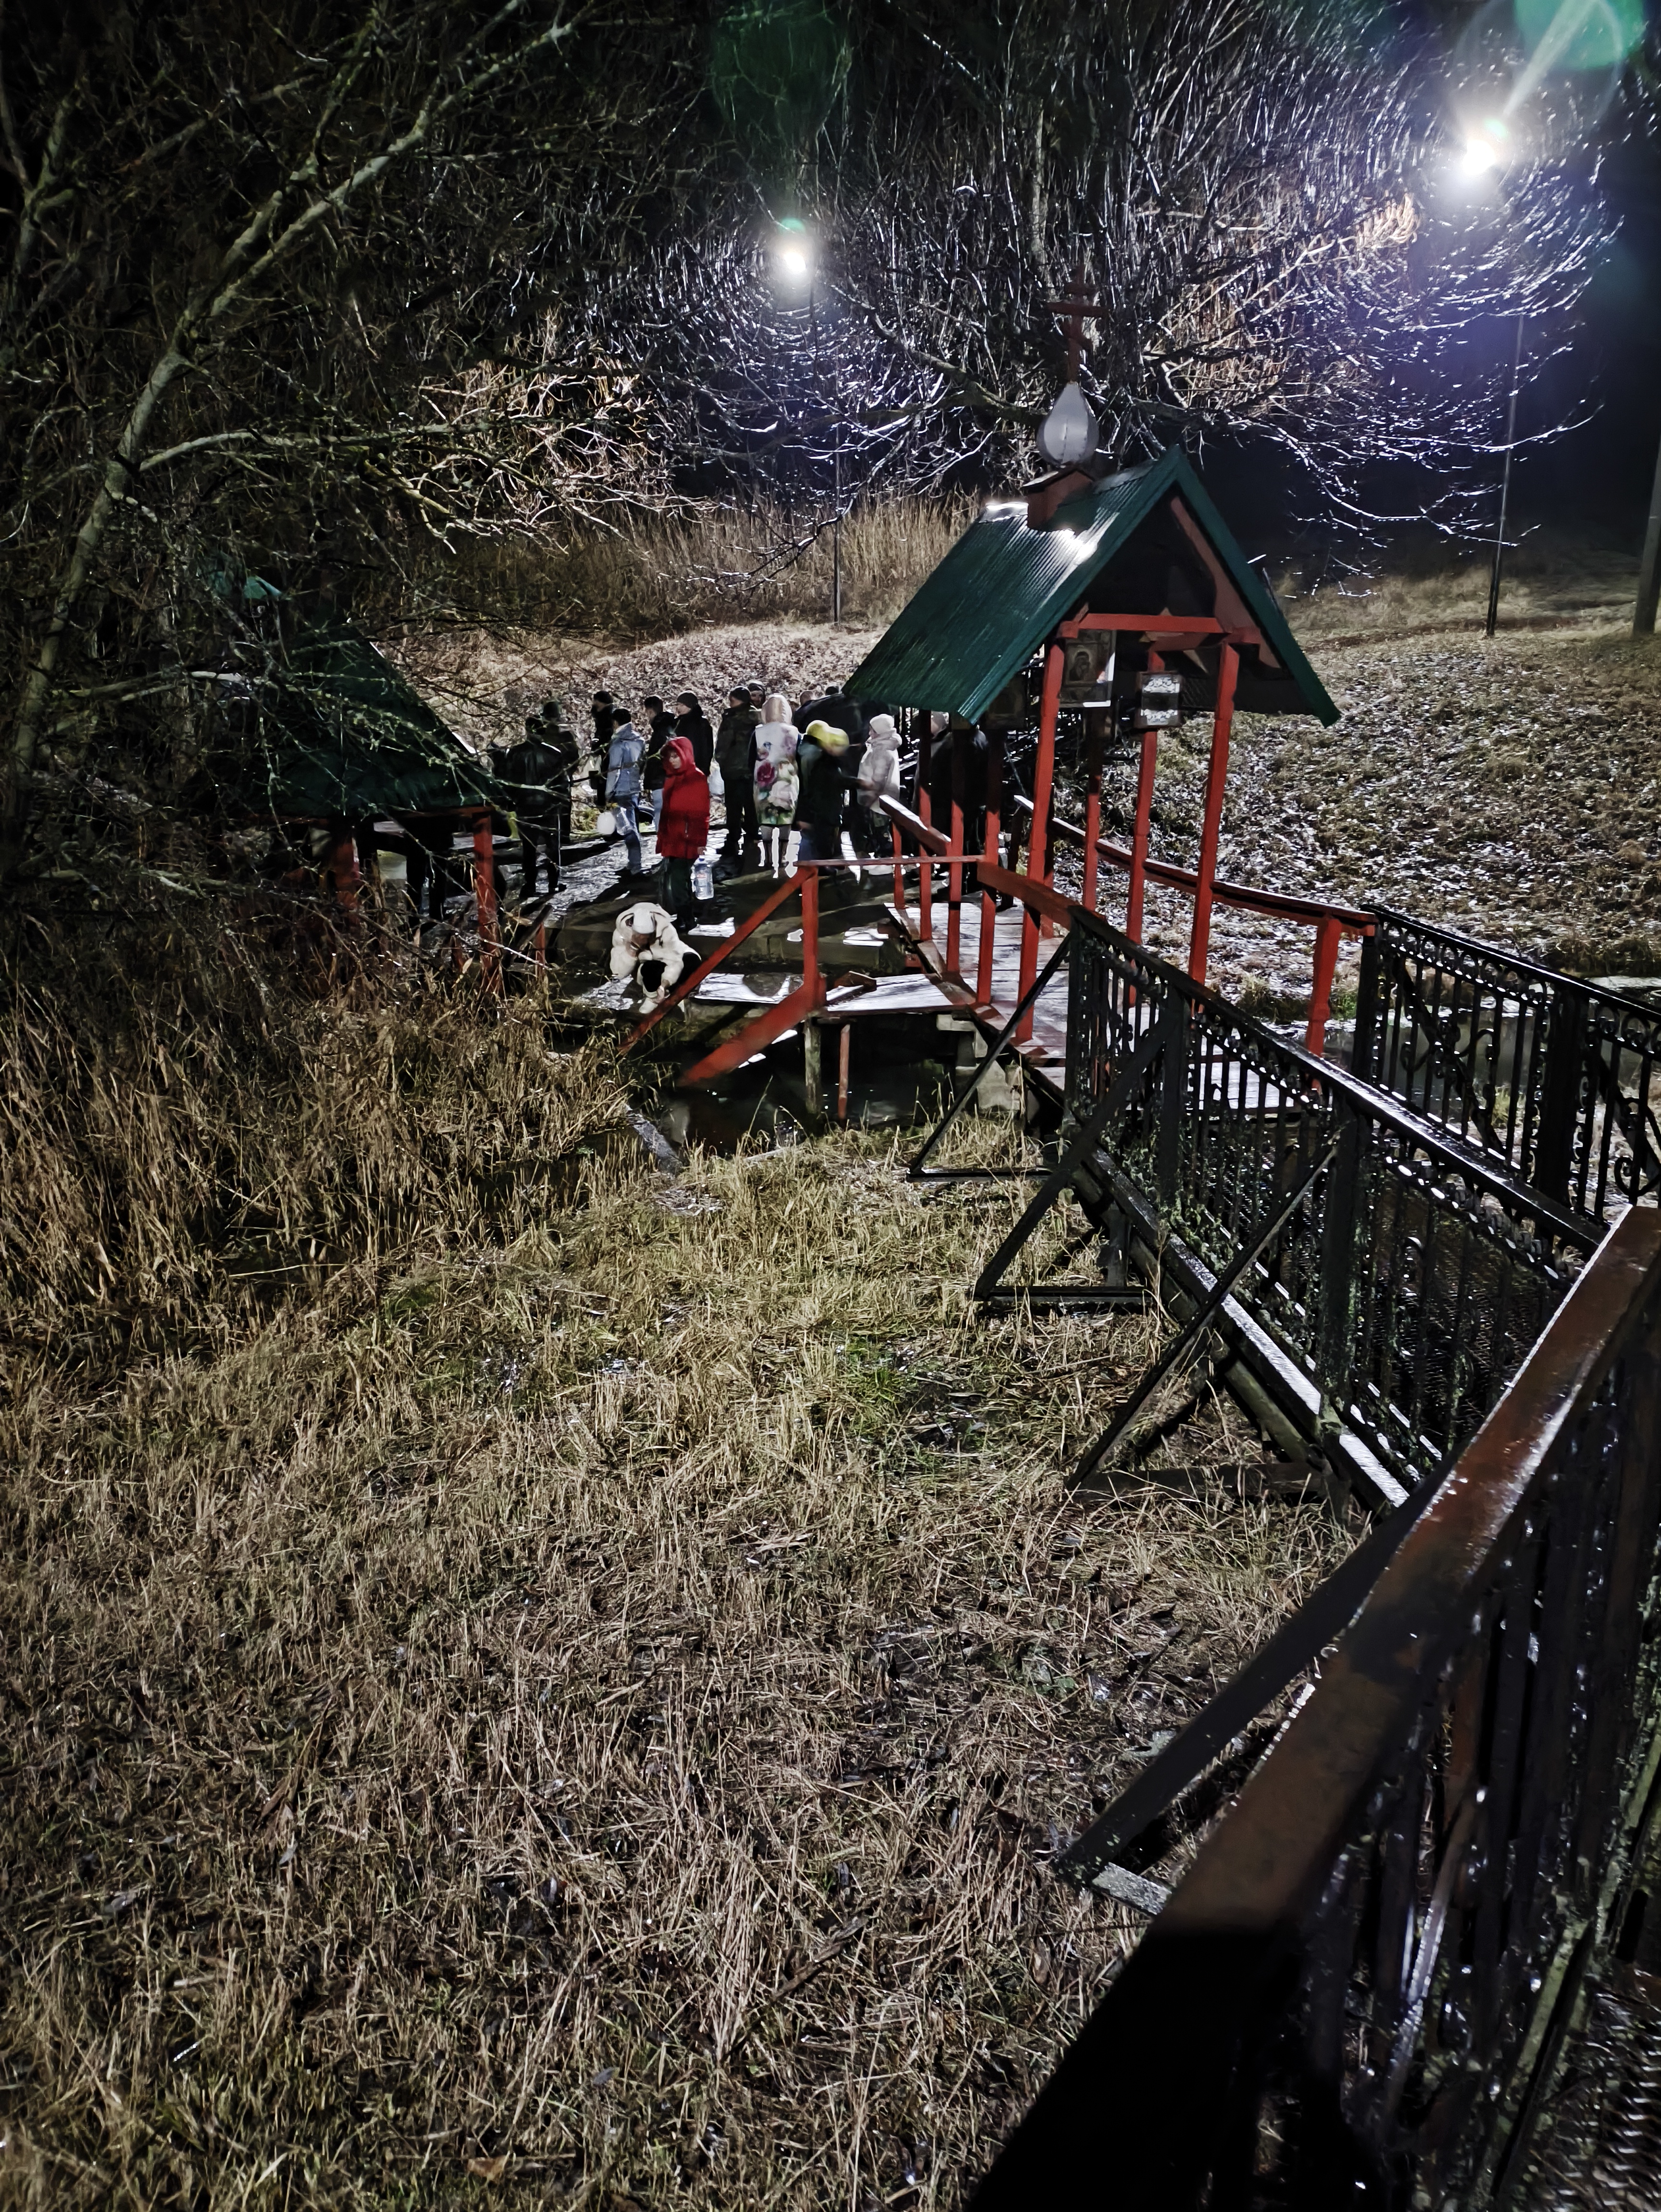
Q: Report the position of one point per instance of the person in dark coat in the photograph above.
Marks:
(821, 760)
(683, 824)
(657, 727)
(735, 756)
(605, 718)
(538, 775)
(839, 711)
(693, 724)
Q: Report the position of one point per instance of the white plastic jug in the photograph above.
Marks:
(703, 878)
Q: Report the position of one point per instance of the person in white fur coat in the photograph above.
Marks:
(646, 944)
(878, 779)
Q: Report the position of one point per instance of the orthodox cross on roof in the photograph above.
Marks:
(1073, 308)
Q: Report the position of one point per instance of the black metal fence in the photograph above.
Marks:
(1358, 1994)
(1554, 1077)
(1409, 1281)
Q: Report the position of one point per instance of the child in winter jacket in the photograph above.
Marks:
(683, 824)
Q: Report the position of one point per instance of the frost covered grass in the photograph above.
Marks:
(576, 1694)
(1507, 787)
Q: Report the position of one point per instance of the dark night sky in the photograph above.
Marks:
(1593, 483)
(1598, 478)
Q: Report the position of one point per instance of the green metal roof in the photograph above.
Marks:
(1004, 587)
(342, 732)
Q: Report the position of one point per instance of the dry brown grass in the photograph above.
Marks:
(581, 1700)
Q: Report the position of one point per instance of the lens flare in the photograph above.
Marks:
(1485, 148)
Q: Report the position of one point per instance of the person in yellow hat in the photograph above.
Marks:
(821, 768)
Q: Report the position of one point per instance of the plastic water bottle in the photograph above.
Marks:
(703, 879)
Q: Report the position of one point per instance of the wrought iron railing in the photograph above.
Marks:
(1358, 1994)
(1407, 1284)
(1559, 1080)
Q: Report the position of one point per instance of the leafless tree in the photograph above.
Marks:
(292, 282)
(1269, 202)
(324, 294)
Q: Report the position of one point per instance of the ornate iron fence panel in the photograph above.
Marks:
(1359, 1993)
(1410, 1284)
(1557, 1079)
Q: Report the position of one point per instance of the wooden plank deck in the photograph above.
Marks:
(925, 990)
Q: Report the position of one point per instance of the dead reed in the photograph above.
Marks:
(579, 1699)
(653, 576)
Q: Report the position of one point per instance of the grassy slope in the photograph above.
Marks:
(601, 1702)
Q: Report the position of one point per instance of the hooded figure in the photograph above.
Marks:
(645, 944)
(776, 786)
(826, 777)
(878, 777)
(683, 823)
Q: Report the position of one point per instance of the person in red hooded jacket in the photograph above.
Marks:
(683, 825)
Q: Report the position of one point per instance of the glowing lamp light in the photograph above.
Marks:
(1070, 434)
(793, 251)
(1485, 148)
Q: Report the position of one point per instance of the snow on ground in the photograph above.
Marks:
(1507, 786)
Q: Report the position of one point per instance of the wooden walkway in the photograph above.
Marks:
(926, 989)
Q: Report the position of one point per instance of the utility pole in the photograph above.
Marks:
(1504, 482)
(1649, 569)
(835, 456)
(835, 518)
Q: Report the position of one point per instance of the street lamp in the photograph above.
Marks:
(793, 263)
(792, 255)
(1488, 149)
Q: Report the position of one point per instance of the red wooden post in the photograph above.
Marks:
(1211, 827)
(843, 1047)
(340, 863)
(1136, 888)
(484, 896)
(899, 872)
(542, 947)
(954, 868)
(808, 876)
(1095, 732)
(1328, 934)
(925, 813)
(1037, 850)
(989, 850)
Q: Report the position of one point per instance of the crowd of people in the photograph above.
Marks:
(817, 772)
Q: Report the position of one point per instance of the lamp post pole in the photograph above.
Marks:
(836, 455)
(1493, 622)
(835, 518)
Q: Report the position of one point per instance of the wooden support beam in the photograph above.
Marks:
(1211, 825)
(1135, 890)
(954, 868)
(1095, 739)
(485, 897)
(989, 903)
(1328, 933)
(1037, 850)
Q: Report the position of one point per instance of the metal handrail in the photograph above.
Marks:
(1357, 1993)
(1406, 1292)
(1559, 1078)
